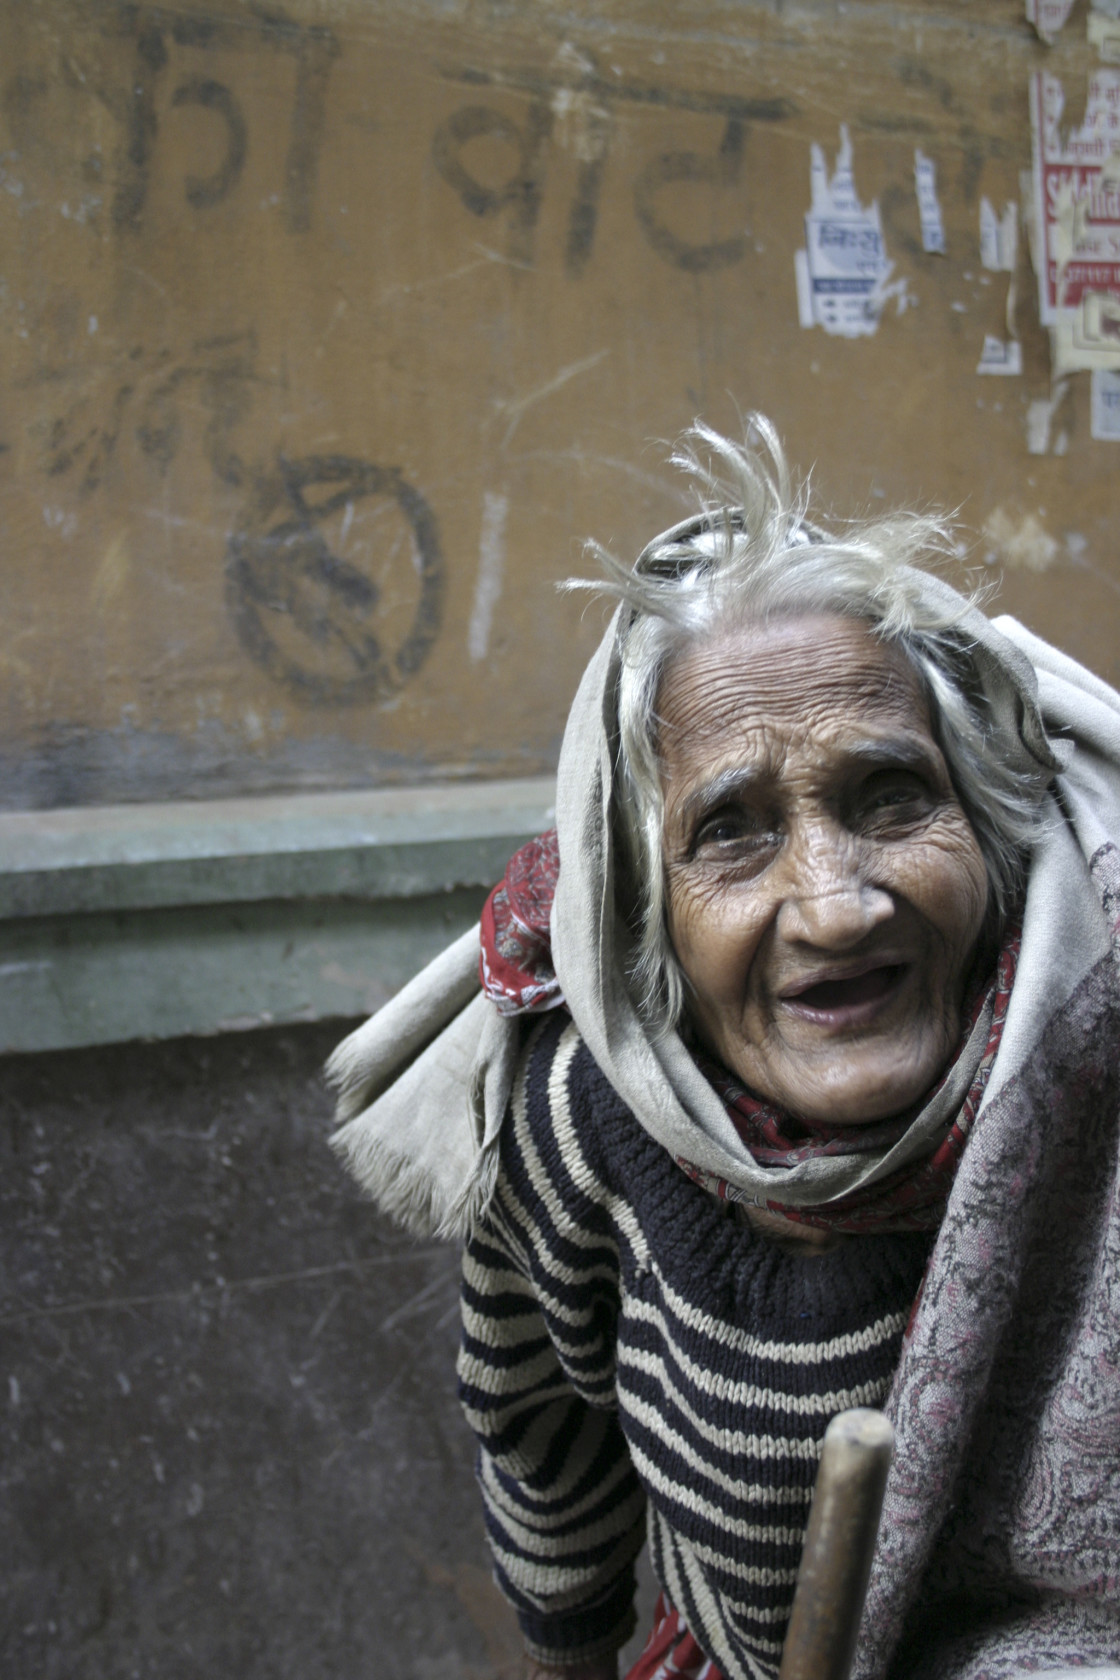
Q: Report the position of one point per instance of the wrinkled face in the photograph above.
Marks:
(825, 889)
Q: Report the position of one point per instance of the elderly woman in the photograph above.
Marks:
(792, 1086)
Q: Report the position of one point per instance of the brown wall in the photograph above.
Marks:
(328, 338)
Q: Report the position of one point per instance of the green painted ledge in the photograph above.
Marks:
(153, 921)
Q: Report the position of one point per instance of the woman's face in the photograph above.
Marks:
(825, 888)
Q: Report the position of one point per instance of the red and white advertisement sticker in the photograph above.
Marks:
(1077, 199)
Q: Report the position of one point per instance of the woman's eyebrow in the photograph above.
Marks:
(897, 752)
(728, 785)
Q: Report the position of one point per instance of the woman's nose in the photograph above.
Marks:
(825, 901)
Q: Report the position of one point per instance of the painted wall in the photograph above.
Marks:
(325, 338)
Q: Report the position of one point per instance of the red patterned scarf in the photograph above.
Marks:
(516, 959)
(518, 977)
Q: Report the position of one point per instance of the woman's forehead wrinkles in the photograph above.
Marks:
(763, 719)
(762, 684)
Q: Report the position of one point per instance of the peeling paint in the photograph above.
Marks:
(491, 573)
(58, 519)
(582, 123)
(112, 574)
(1022, 545)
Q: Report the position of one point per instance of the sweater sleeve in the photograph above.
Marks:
(564, 1510)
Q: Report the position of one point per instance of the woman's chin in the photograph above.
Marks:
(866, 1103)
(853, 1088)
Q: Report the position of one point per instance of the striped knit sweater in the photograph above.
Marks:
(631, 1355)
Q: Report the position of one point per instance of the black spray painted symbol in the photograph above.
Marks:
(203, 191)
(723, 169)
(332, 631)
(716, 175)
(312, 47)
(521, 193)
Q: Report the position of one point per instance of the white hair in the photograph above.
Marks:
(751, 555)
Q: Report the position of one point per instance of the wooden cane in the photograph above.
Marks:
(839, 1543)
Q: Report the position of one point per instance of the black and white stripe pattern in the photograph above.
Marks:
(627, 1342)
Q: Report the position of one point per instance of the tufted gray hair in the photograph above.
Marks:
(751, 555)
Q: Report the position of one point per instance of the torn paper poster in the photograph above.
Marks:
(1076, 181)
(1048, 16)
(999, 237)
(1087, 337)
(929, 210)
(999, 356)
(843, 271)
(1040, 422)
(1104, 406)
(999, 250)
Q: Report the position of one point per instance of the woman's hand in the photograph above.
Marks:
(596, 1668)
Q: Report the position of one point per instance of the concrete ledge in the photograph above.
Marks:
(155, 921)
(104, 979)
(388, 843)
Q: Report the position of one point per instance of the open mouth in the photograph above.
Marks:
(850, 994)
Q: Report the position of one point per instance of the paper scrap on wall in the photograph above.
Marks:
(999, 237)
(1000, 356)
(1051, 16)
(1040, 422)
(999, 248)
(929, 209)
(843, 271)
(1048, 16)
(1076, 212)
(1104, 406)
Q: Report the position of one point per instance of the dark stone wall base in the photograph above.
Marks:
(231, 1445)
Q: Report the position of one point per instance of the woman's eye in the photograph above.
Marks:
(895, 796)
(731, 828)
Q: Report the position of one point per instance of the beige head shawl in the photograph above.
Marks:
(423, 1086)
